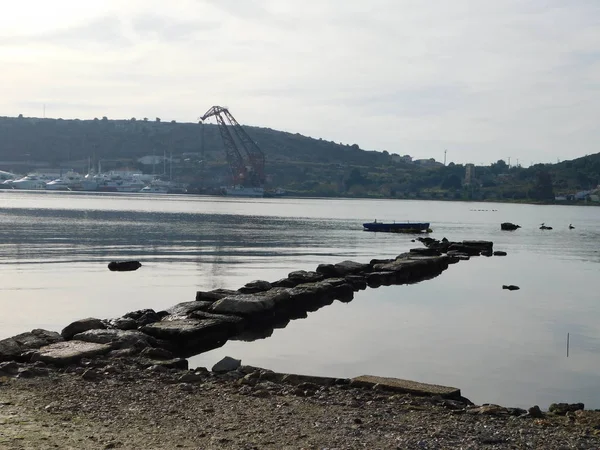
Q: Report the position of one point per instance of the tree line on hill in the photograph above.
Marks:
(299, 164)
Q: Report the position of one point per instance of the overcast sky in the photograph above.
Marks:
(484, 79)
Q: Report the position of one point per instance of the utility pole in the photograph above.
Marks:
(509, 162)
(445, 151)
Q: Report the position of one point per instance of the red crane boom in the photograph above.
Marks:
(246, 173)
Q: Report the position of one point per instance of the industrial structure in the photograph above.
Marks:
(246, 160)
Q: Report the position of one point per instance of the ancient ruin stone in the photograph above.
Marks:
(79, 326)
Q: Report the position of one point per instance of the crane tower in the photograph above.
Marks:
(246, 160)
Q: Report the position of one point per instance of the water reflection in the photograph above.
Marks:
(51, 235)
(459, 329)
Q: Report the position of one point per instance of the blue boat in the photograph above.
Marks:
(398, 227)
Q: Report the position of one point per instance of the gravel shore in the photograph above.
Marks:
(116, 404)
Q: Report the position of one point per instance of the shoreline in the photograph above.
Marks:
(300, 196)
(125, 382)
(126, 404)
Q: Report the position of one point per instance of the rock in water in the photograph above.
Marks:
(510, 287)
(507, 226)
(124, 266)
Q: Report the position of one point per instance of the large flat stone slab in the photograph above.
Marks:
(342, 269)
(410, 267)
(307, 296)
(69, 352)
(79, 326)
(185, 309)
(182, 329)
(255, 286)
(251, 304)
(11, 348)
(303, 276)
(192, 336)
(405, 386)
(37, 338)
(379, 278)
(214, 295)
(117, 338)
(296, 379)
(237, 323)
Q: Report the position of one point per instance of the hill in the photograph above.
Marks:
(299, 164)
(30, 143)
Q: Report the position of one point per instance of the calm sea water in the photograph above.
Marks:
(459, 329)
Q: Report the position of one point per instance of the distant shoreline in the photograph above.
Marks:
(523, 202)
(317, 197)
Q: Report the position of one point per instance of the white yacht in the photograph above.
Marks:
(155, 189)
(120, 182)
(30, 182)
(114, 181)
(5, 176)
(91, 181)
(70, 181)
(6, 179)
(157, 186)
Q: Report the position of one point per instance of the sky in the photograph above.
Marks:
(481, 79)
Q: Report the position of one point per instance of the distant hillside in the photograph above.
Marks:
(299, 164)
(59, 141)
(27, 143)
(580, 174)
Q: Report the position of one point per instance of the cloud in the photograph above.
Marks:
(486, 80)
(104, 31)
(155, 26)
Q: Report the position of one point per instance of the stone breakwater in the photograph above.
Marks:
(251, 312)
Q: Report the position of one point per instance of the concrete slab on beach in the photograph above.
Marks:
(405, 386)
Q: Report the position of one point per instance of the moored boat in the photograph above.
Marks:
(155, 189)
(398, 227)
(32, 181)
(57, 185)
(274, 193)
(71, 181)
(158, 186)
(120, 182)
(242, 191)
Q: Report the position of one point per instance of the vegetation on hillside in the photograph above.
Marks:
(299, 164)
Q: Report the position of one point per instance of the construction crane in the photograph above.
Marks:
(247, 168)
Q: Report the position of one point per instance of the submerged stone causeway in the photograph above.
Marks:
(216, 316)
